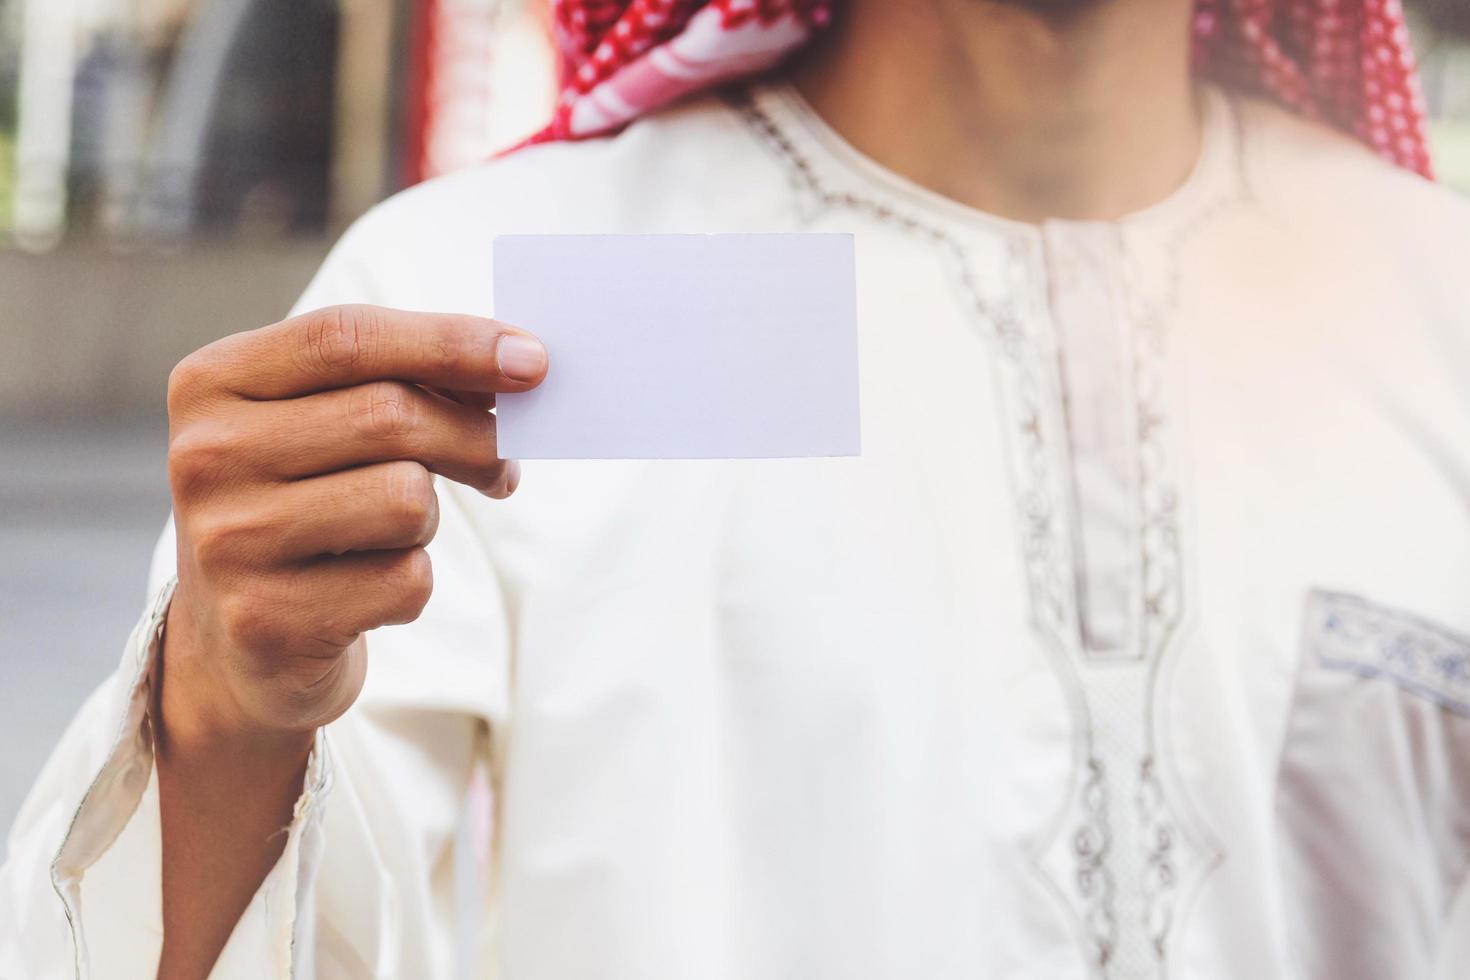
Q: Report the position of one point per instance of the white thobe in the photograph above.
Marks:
(1135, 645)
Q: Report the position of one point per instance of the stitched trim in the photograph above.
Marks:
(147, 635)
(1351, 634)
(1096, 884)
(1174, 847)
(1088, 891)
(1044, 549)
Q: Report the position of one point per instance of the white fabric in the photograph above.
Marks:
(1042, 685)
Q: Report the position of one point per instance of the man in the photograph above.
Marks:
(1135, 644)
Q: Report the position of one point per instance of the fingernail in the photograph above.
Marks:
(510, 478)
(519, 357)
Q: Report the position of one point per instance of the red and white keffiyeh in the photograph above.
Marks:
(1346, 62)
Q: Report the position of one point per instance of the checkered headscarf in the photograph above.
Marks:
(1345, 62)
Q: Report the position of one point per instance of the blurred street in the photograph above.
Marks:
(80, 509)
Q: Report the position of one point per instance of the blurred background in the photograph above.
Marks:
(172, 171)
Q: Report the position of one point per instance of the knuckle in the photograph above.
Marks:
(415, 524)
(415, 584)
(486, 468)
(245, 622)
(409, 489)
(484, 441)
(384, 410)
(217, 543)
(188, 378)
(430, 526)
(339, 338)
(444, 349)
(196, 453)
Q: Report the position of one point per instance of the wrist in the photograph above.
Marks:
(196, 713)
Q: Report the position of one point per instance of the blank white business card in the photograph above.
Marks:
(682, 346)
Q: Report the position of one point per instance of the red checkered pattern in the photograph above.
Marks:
(1348, 63)
(598, 37)
(1344, 62)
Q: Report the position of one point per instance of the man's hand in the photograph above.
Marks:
(300, 458)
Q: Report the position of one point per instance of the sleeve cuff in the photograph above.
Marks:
(113, 840)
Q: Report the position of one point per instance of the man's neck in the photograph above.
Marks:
(1085, 113)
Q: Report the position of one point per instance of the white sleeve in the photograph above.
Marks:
(376, 850)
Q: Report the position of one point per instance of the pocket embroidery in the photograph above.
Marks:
(1372, 841)
(1351, 634)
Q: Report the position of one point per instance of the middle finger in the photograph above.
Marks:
(379, 422)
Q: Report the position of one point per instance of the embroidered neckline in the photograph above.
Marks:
(1078, 854)
(1217, 162)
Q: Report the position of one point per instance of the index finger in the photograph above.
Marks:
(340, 346)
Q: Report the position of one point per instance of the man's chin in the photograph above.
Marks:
(1056, 8)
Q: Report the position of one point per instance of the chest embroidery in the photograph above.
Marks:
(1125, 848)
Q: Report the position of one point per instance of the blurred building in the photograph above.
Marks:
(173, 170)
(150, 120)
(129, 121)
